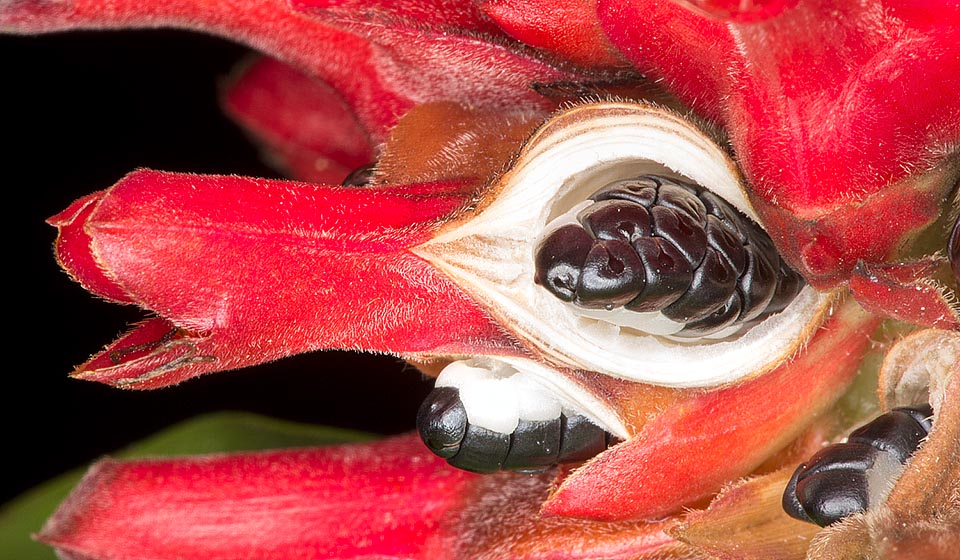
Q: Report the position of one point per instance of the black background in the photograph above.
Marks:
(78, 111)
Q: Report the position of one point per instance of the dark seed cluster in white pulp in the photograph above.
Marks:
(653, 243)
(850, 477)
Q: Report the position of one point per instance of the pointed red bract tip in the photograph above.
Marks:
(245, 271)
(74, 253)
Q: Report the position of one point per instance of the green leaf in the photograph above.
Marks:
(214, 433)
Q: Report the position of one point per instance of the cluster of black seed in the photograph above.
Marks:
(533, 446)
(836, 481)
(653, 243)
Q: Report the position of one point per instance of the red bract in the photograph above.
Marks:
(843, 116)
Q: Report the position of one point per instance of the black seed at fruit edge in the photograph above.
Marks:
(718, 320)
(667, 271)
(642, 191)
(560, 259)
(612, 275)
(896, 432)
(360, 177)
(789, 285)
(582, 439)
(726, 241)
(682, 198)
(828, 497)
(442, 421)
(757, 284)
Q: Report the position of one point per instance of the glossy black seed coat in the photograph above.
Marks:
(582, 439)
(534, 445)
(612, 275)
(700, 258)
(668, 274)
(834, 483)
(560, 260)
(897, 432)
(442, 421)
(482, 450)
(360, 177)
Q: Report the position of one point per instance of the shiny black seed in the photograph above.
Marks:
(612, 275)
(360, 177)
(834, 483)
(442, 421)
(897, 432)
(716, 321)
(828, 497)
(482, 450)
(616, 219)
(683, 230)
(788, 286)
(533, 445)
(726, 241)
(841, 456)
(922, 413)
(581, 439)
(642, 191)
(682, 198)
(560, 259)
(757, 284)
(695, 252)
(710, 288)
(790, 502)
(667, 271)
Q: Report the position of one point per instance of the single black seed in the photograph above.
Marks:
(560, 259)
(711, 286)
(642, 191)
(616, 219)
(612, 275)
(582, 439)
(829, 497)
(757, 285)
(923, 414)
(442, 421)
(836, 481)
(683, 231)
(534, 444)
(897, 432)
(482, 450)
(667, 271)
(682, 198)
(789, 285)
(726, 241)
(842, 456)
(360, 177)
(716, 321)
